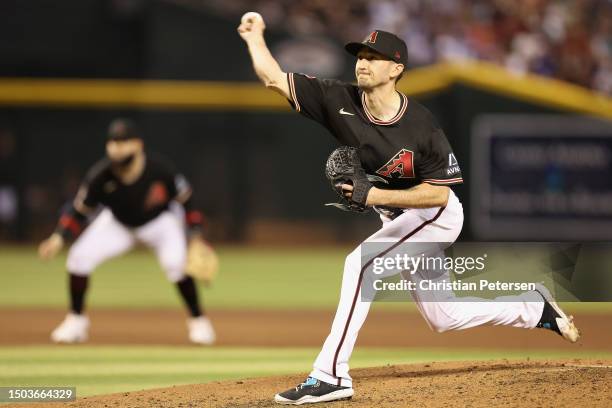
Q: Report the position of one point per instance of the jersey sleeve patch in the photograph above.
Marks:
(439, 164)
(182, 187)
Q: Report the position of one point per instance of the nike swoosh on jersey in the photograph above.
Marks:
(343, 112)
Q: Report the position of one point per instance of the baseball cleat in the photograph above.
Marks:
(312, 391)
(553, 318)
(72, 330)
(201, 331)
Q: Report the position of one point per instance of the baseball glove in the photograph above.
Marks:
(202, 261)
(344, 167)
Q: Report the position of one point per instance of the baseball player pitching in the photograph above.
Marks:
(397, 141)
(134, 191)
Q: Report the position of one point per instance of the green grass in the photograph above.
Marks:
(101, 370)
(261, 278)
(253, 278)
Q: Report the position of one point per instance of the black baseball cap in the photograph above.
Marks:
(123, 129)
(383, 42)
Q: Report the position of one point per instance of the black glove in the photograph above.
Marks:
(344, 167)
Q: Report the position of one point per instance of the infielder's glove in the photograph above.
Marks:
(202, 261)
(344, 167)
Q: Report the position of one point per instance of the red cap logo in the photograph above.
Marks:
(397, 55)
(372, 37)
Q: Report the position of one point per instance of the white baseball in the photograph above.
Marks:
(251, 15)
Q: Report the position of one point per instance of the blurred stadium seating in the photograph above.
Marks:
(180, 69)
(569, 40)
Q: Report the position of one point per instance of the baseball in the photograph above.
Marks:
(253, 16)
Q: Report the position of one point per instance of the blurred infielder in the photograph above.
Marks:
(135, 191)
(398, 141)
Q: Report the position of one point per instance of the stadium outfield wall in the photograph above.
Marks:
(240, 144)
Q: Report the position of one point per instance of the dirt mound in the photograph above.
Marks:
(561, 383)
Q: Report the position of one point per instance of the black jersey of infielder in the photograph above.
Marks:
(402, 152)
(137, 203)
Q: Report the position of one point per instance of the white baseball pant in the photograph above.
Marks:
(107, 238)
(439, 224)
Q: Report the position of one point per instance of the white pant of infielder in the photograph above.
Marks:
(438, 224)
(107, 238)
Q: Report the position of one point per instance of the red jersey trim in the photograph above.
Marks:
(292, 92)
(457, 180)
(71, 224)
(391, 121)
(194, 217)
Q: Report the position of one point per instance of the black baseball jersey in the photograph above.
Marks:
(137, 203)
(402, 152)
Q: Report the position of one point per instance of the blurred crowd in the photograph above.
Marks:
(566, 39)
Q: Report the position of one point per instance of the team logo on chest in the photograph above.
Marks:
(157, 195)
(400, 166)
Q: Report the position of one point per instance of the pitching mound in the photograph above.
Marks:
(567, 383)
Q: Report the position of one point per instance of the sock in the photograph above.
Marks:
(189, 293)
(78, 288)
